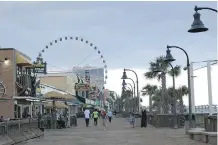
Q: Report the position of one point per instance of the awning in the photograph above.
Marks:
(56, 105)
(81, 99)
(77, 102)
(25, 100)
(21, 60)
(58, 96)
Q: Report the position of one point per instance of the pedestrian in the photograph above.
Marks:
(87, 116)
(132, 120)
(104, 119)
(144, 119)
(110, 114)
(95, 116)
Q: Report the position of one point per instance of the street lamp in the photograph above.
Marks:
(133, 85)
(197, 25)
(204, 8)
(169, 59)
(137, 84)
(131, 88)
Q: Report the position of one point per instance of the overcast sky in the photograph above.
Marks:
(128, 34)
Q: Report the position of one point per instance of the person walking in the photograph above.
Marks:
(87, 116)
(110, 114)
(104, 119)
(95, 116)
(144, 119)
(132, 119)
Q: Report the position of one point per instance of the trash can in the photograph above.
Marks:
(210, 123)
(186, 126)
(73, 121)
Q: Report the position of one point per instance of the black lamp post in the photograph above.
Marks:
(198, 26)
(137, 84)
(133, 86)
(169, 58)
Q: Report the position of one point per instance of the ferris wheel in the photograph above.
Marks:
(81, 52)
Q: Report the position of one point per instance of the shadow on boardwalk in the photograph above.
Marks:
(119, 133)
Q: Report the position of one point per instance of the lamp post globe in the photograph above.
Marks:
(124, 75)
(169, 57)
(197, 26)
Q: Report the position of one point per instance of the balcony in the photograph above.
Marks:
(24, 80)
(25, 85)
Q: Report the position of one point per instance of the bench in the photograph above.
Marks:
(200, 135)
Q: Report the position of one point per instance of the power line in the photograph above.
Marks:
(204, 66)
(204, 61)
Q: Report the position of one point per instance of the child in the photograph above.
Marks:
(132, 120)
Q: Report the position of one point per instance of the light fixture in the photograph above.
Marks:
(197, 25)
(124, 75)
(169, 57)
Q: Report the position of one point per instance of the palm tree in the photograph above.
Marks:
(181, 91)
(150, 91)
(165, 67)
(157, 99)
(126, 97)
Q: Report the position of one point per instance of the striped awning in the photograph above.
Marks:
(21, 60)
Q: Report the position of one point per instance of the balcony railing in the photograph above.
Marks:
(24, 80)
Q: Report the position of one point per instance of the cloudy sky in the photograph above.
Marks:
(129, 35)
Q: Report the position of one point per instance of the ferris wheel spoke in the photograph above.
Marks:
(90, 54)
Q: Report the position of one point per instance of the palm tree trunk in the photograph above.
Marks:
(150, 104)
(164, 101)
(181, 110)
(181, 106)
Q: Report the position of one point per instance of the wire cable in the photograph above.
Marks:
(204, 66)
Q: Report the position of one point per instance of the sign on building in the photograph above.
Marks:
(82, 87)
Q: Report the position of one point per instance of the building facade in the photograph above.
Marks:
(19, 81)
(93, 75)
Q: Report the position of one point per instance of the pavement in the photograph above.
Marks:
(119, 132)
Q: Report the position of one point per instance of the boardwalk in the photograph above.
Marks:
(119, 133)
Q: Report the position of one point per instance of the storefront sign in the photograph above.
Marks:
(40, 68)
(82, 87)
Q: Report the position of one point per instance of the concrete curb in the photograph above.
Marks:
(18, 137)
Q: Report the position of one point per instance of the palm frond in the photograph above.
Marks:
(176, 70)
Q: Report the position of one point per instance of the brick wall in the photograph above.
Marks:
(7, 75)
